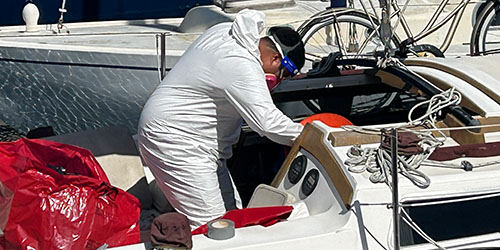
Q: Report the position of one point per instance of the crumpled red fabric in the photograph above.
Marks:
(57, 196)
(408, 143)
(469, 150)
(265, 216)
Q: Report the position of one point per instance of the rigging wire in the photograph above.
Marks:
(370, 233)
(417, 229)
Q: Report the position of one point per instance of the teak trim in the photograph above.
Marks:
(311, 140)
(462, 137)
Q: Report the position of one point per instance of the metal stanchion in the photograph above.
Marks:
(395, 195)
(163, 57)
(385, 27)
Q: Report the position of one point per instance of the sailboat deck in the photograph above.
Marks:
(138, 36)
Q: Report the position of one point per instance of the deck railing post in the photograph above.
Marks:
(395, 195)
(163, 57)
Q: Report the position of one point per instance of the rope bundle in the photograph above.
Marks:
(378, 161)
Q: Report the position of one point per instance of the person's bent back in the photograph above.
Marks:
(193, 118)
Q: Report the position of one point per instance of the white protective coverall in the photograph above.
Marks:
(190, 122)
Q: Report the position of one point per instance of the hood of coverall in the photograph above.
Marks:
(247, 30)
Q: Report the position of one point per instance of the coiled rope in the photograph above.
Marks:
(378, 162)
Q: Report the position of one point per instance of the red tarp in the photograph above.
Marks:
(56, 196)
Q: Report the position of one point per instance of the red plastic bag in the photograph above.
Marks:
(58, 197)
(265, 216)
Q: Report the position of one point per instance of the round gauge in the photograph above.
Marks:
(310, 182)
(297, 169)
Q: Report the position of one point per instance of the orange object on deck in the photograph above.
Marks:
(332, 120)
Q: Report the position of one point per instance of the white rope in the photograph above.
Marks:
(378, 161)
(435, 105)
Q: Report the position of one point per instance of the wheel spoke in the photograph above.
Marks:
(356, 35)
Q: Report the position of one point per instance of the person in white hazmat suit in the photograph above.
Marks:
(190, 122)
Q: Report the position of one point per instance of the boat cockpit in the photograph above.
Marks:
(346, 205)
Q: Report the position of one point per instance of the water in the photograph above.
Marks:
(96, 10)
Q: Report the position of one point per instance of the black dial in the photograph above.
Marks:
(297, 169)
(310, 181)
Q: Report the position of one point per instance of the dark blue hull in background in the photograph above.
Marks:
(98, 10)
